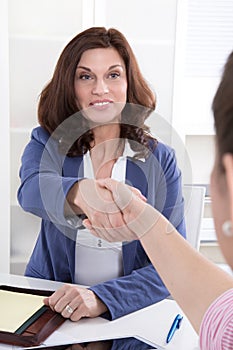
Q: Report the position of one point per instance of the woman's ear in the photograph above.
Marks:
(228, 165)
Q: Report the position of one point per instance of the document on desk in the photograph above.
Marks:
(17, 308)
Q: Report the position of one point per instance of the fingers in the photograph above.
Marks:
(106, 201)
(73, 310)
(121, 193)
(137, 193)
(65, 301)
(96, 198)
(106, 220)
(46, 301)
(140, 217)
(124, 234)
(74, 302)
(111, 234)
(134, 219)
(115, 231)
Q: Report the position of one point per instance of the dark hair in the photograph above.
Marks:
(57, 100)
(223, 111)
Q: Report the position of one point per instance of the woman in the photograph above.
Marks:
(91, 117)
(207, 294)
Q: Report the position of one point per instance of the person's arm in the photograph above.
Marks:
(43, 189)
(47, 193)
(193, 281)
(126, 294)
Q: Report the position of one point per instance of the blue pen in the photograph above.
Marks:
(175, 325)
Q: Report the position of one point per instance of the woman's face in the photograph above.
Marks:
(221, 210)
(101, 85)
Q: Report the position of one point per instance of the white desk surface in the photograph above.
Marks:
(151, 323)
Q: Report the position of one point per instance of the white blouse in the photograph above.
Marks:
(97, 260)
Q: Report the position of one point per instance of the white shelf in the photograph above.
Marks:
(226, 268)
(208, 231)
(19, 259)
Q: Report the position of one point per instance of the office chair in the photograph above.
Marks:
(194, 197)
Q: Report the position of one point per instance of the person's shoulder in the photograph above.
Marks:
(160, 149)
(40, 134)
(163, 154)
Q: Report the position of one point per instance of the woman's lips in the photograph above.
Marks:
(100, 105)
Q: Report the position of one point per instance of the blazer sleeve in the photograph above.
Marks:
(142, 286)
(43, 189)
(130, 293)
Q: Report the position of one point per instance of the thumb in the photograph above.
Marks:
(46, 301)
(121, 193)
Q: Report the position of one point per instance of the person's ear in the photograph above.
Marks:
(228, 165)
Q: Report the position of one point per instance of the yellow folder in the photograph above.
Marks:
(16, 308)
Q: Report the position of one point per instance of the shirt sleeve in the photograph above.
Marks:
(216, 331)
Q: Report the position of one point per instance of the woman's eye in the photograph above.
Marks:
(84, 76)
(114, 75)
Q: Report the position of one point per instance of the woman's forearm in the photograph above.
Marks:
(72, 206)
(193, 281)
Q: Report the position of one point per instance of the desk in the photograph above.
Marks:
(151, 323)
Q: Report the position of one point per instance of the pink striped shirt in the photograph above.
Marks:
(216, 332)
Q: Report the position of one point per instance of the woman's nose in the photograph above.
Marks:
(100, 87)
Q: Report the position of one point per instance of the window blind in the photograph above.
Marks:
(209, 37)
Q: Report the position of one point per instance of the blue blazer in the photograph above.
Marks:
(46, 178)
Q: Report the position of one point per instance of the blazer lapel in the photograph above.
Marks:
(73, 167)
(136, 175)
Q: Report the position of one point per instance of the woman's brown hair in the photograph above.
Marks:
(57, 100)
(223, 111)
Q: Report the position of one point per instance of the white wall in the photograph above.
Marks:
(4, 140)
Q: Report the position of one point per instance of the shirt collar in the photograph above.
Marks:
(128, 152)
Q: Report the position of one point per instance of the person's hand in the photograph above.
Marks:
(138, 216)
(96, 201)
(75, 302)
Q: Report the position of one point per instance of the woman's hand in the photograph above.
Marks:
(138, 217)
(94, 199)
(75, 302)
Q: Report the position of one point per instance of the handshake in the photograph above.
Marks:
(117, 212)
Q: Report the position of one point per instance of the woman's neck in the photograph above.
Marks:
(106, 149)
(105, 132)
